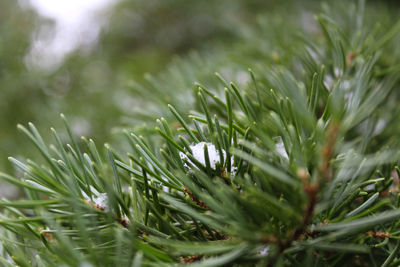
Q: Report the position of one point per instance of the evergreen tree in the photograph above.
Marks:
(293, 163)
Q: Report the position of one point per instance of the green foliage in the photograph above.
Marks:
(296, 164)
(136, 41)
(19, 97)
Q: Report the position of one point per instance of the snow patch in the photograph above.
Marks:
(264, 251)
(213, 154)
(281, 150)
(99, 200)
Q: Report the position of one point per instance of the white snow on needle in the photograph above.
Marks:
(99, 200)
(213, 155)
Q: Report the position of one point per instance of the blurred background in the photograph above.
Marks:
(82, 58)
(107, 64)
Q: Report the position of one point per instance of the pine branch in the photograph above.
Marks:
(299, 174)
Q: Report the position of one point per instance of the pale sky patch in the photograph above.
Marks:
(77, 24)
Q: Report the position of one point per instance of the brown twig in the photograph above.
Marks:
(192, 197)
(379, 234)
(312, 188)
